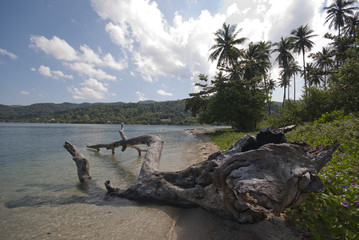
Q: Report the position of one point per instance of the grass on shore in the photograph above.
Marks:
(224, 138)
(334, 212)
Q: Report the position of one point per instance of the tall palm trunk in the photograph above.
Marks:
(285, 88)
(294, 86)
(325, 77)
(288, 89)
(304, 72)
(267, 94)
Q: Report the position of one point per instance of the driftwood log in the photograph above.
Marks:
(256, 176)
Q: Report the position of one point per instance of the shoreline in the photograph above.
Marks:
(204, 145)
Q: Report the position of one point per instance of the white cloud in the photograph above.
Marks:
(8, 54)
(110, 62)
(164, 93)
(89, 56)
(23, 92)
(141, 96)
(157, 48)
(92, 89)
(118, 34)
(56, 47)
(90, 70)
(33, 69)
(85, 61)
(47, 72)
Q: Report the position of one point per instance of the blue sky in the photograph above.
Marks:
(128, 51)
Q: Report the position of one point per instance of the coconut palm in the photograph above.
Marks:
(302, 43)
(352, 25)
(283, 82)
(324, 61)
(293, 69)
(337, 13)
(314, 76)
(284, 47)
(225, 49)
(256, 60)
(269, 86)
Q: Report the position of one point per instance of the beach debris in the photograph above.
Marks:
(256, 177)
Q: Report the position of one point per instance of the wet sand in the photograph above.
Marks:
(204, 144)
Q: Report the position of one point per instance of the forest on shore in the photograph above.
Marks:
(147, 112)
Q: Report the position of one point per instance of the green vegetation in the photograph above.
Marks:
(171, 112)
(335, 211)
(224, 138)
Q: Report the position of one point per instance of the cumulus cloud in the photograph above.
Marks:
(47, 72)
(55, 46)
(91, 89)
(11, 55)
(141, 96)
(164, 93)
(156, 47)
(119, 33)
(23, 92)
(85, 61)
(90, 70)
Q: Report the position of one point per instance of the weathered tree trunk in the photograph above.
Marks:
(256, 176)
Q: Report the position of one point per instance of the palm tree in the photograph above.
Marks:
(314, 76)
(293, 69)
(302, 43)
(283, 47)
(269, 86)
(352, 25)
(256, 60)
(324, 61)
(224, 50)
(338, 12)
(283, 82)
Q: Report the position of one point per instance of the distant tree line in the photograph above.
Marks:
(169, 112)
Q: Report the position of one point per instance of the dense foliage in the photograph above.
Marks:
(171, 112)
(335, 211)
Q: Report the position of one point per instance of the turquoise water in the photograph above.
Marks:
(40, 195)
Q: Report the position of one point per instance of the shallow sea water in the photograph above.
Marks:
(41, 197)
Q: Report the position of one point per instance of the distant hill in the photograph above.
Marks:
(35, 110)
(146, 112)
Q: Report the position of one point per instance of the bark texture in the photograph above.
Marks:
(256, 176)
